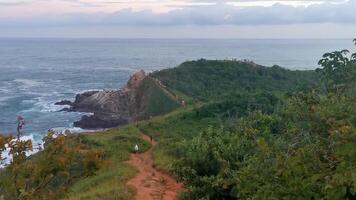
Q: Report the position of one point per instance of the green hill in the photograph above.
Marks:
(210, 79)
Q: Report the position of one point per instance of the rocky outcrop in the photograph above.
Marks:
(117, 107)
(134, 81)
(64, 103)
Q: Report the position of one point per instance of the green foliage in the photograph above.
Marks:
(210, 79)
(48, 174)
(235, 106)
(17, 150)
(208, 162)
(304, 151)
(338, 70)
(3, 141)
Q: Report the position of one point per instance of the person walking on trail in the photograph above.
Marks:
(151, 138)
(136, 148)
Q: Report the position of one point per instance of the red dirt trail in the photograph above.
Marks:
(150, 183)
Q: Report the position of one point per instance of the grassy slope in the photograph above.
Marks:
(155, 99)
(109, 182)
(170, 130)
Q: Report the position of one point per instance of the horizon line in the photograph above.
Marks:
(181, 38)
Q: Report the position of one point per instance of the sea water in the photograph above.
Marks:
(36, 73)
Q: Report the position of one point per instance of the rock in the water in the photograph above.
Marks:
(66, 110)
(63, 103)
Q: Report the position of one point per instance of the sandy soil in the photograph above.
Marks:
(149, 182)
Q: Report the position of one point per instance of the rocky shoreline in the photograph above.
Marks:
(109, 108)
(112, 108)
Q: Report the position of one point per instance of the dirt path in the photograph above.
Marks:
(149, 182)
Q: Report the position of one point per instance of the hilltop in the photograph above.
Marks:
(207, 80)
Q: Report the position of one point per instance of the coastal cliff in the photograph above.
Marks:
(141, 97)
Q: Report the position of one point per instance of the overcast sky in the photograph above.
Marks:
(178, 18)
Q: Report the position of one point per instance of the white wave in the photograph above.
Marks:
(4, 99)
(28, 101)
(17, 67)
(42, 104)
(4, 90)
(28, 83)
(73, 129)
(47, 106)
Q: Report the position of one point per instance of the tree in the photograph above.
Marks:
(208, 162)
(17, 147)
(17, 150)
(338, 69)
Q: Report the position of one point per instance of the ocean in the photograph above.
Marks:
(36, 73)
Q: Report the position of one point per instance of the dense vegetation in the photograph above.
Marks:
(306, 150)
(247, 132)
(299, 144)
(207, 80)
(46, 175)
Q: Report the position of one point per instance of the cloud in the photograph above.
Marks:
(12, 3)
(219, 14)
